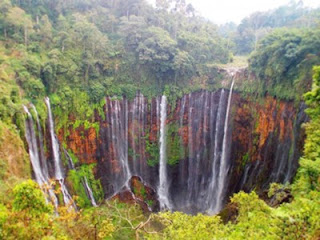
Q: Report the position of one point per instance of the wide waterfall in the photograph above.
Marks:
(163, 181)
(193, 154)
(194, 164)
(202, 122)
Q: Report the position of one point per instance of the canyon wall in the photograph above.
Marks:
(209, 156)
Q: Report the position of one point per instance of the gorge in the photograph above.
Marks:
(142, 119)
(194, 152)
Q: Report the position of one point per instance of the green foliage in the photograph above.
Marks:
(174, 145)
(275, 188)
(245, 159)
(28, 197)
(284, 60)
(183, 226)
(252, 29)
(79, 51)
(77, 178)
(152, 148)
(3, 218)
(309, 172)
(254, 219)
(36, 220)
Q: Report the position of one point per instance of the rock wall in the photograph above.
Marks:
(264, 142)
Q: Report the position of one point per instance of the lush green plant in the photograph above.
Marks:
(28, 197)
(179, 225)
(77, 179)
(284, 60)
(174, 145)
(152, 148)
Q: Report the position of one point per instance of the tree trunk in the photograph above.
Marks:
(175, 78)
(255, 40)
(86, 75)
(26, 36)
(5, 32)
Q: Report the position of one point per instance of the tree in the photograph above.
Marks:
(183, 65)
(28, 197)
(5, 6)
(20, 20)
(157, 50)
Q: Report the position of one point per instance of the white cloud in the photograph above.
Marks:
(221, 11)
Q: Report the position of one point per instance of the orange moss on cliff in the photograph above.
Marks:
(274, 116)
(82, 142)
(255, 122)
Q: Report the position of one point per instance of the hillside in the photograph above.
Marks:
(119, 120)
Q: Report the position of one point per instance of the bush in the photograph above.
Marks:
(29, 198)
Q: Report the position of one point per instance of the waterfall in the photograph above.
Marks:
(70, 162)
(67, 199)
(190, 147)
(118, 169)
(43, 160)
(224, 161)
(33, 149)
(211, 197)
(84, 182)
(120, 138)
(40, 172)
(54, 143)
(163, 191)
(133, 137)
(57, 161)
(89, 192)
(138, 119)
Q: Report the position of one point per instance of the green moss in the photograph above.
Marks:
(152, 148)
(74, 158)
(245, 159)
(76, 177)
(174, 144)
(141, 192)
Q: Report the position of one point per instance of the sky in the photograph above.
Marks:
(222, 11)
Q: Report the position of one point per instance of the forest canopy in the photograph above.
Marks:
(79, 52)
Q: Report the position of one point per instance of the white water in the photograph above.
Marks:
(42, 158)
(57, 161)
(120, 138)
(67, 199)
(71, 164)
(41, 173)
(223, 162)
(91, 197)
(190, 147)
(85, 180)
(55, 146)
(213, 183)
(33, 150)
(163, 181)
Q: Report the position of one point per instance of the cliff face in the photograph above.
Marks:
(208, 155)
